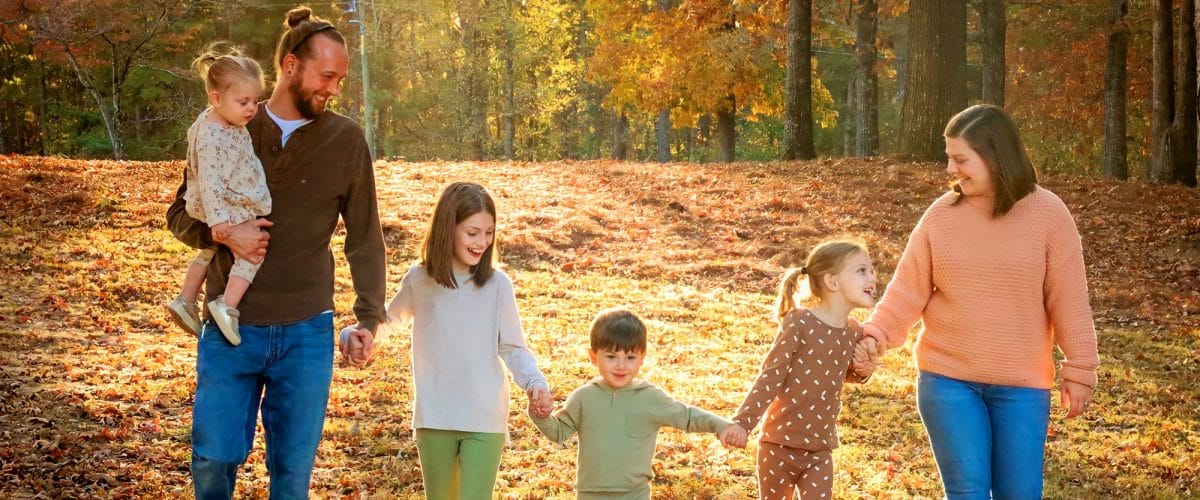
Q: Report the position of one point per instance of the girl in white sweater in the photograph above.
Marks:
(464, 323)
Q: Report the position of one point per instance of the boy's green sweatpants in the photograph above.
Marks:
(459, 465)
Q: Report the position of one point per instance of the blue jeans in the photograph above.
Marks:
(284, 368)
(988, 440)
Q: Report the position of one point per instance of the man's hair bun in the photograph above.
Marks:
(297, 16)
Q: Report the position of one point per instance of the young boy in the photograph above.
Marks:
(618, 416)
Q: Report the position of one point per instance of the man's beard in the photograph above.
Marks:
(304, 102)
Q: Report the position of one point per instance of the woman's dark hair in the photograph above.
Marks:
(991, 133)
(459, 201)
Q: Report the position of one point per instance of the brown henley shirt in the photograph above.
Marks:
(324, 172)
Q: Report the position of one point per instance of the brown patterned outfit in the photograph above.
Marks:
(225, 182)
(799, 390)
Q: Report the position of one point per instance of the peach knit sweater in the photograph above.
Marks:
(995, 295)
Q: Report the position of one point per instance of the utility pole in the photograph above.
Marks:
(366, 74)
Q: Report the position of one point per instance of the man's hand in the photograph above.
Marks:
(356, 344)
(247, 240)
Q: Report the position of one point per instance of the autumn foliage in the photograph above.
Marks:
(96, 383)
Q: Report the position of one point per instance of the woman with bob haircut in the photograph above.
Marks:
(994, 270)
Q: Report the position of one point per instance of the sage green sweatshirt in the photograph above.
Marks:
(618, 430)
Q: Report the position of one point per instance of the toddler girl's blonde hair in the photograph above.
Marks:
(222, 66)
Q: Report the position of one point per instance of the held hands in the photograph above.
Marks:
(1075, 397)
(247, 240)
(540, 402)
(866, 355)
(733, 435)
(356, 345)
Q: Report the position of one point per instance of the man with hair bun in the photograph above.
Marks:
(318, 168)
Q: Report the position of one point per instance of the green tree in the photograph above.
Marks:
(102, 41)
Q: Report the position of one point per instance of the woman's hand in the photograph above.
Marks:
(877, 346)
(866, 352)
(1075, 397)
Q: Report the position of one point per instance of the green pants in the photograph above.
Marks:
(642, 493)
(459, 465)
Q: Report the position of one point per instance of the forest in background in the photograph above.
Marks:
(665, 80)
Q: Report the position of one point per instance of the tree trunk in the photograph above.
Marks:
(849, 134)
(572, 124)
(727, 130)
(473, 78)
(106, 114)
(568, 125)
(620, 136)
(510, 150)
(1162, 96)
(662, 136)
(866, 100)
(1183, 130)
(935, 87)
(993, 22)
(1116, 163)
(41, 107)
(662, 126)
(797, 100)
(690, 145)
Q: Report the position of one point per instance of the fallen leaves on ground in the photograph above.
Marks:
(96, 384)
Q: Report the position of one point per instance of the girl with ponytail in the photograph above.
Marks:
(800, 383)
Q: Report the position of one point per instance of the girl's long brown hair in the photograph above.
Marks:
(458, 202)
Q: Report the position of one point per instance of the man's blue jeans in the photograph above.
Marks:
(286, 368)
(988, 440)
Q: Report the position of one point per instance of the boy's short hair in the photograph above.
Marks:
(618, 329)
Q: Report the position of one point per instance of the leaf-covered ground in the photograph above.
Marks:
(96, 384)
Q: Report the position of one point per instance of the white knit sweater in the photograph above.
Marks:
(460, 336)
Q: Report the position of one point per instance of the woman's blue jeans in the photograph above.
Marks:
(988, 440)
(285, 370)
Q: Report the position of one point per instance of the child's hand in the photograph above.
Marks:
(733, 435)
(540, 402)
(355, 345)
(863, 369)
(865, 356)
(865, 352)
